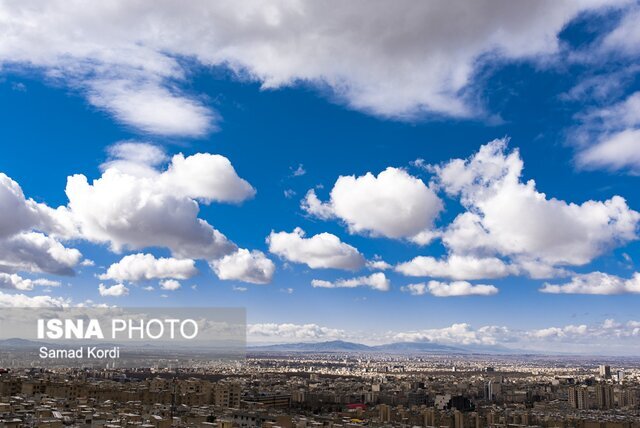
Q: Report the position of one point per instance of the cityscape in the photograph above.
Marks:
(331, 390)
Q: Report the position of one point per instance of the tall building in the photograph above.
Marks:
(605, 371)
(626, 397)
(579, 397)
(458, 419)
(429, 417)
(488, 391)
(385, 413)
(604, 396)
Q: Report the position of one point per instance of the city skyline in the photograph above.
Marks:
(470, 188)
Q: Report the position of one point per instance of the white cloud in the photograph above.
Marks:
(23, 301)
(299, 171)
(456, 267)
(133, 205)
(377, 281)
(321, 251)
(18, 212)
(135, 158)
(355, 49)
(609, 334)
(418, 289)
(21, 214)
(559, 332)
(151, 107)
(36, 252)
(206, 177)
(616, 130)
(315, 207)
(625, 38)
(378, 264)
(460, 288)
(617, 151)
(457, 334)
(139, 267)
(289, 331)
(134, 212)
(30, 233)
(14, 281)
(170, 284)
(455, 288)
(595, 283)
(511, 218)
(394, 205)
(203, 176)
(116, 290)
(244, 265)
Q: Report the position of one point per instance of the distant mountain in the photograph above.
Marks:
(331, 346)
(390, 348)
(416, 347)
(15, 343)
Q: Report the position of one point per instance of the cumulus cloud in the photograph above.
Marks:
(135, 158)
(170, 284)
(289, 331)
(37, 252)
(116, 290)
(444, 289)
(139, 267)
(457, 334)
(356, 50)
(138, 202)
(21, 214)
(18, 212)
(377, 281)
(418, 289)
(460, 288)
(24, 301)
(244, 265)
(30, 234)
(595, 283)
(137, 211)
(320, 251)
(378, 264)
(206, 177)
(14, 281)
(609, 333)
(559, 332)
(392, 204)
(508, 217)
(606, 337)
(456, 267)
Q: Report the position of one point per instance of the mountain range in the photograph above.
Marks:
(390, 348)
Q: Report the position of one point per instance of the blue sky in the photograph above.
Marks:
(561, 92)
